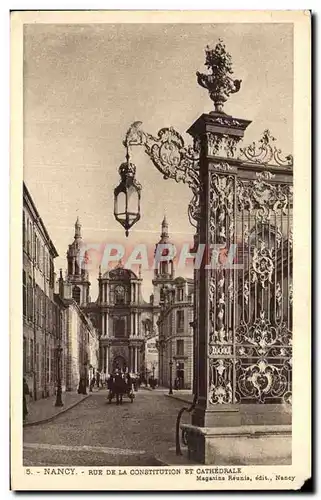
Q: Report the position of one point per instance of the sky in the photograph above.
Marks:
(85, 84)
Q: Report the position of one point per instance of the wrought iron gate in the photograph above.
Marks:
(250, 304)
(250, 351)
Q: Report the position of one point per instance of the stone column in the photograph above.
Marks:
(130, 359)
(136, 324)
(133, 358)
(107, 359)
(106, 323)
(107, 294)
(104, 359)
(136, 360)
(217, 135)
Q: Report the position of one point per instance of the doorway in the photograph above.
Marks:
(119, 363)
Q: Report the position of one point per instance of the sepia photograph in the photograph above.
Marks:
(156, 202)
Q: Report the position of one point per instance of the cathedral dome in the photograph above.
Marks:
(120, 273)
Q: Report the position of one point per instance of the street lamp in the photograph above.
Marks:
(59, 388)
(170, 377)
(146, 375)
(127, 196)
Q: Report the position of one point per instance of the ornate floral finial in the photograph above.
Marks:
(219, 84)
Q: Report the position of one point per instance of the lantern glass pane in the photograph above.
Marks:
(132, 200)
(121, 203)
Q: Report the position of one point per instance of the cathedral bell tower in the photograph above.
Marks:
(164, 273)
(77, 283)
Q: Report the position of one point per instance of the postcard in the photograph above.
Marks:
(160, 211)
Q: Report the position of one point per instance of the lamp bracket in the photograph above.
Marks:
(171, 157)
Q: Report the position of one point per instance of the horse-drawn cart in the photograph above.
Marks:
(120, 386)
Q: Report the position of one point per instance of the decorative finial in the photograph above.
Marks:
(120, 264)
(77, 228)
(165, 223)
(219, 84)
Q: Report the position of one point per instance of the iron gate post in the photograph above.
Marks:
(217, 135)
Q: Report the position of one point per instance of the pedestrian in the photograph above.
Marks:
(119, 387)
(92, 384)
(98, 379)
(26, 392)
(102, 379)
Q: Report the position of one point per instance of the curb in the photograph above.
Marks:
(48, 419)
(178, 398)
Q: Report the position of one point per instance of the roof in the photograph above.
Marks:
(119, 273)
(180, 279)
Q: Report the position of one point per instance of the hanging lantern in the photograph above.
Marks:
(127, 197)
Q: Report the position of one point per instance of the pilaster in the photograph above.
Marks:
(217, 135)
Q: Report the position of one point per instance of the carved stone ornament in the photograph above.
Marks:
(263, 196)
(265, 152)
(219, 83)
(222, 145)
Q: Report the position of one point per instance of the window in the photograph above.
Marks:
(24, 293)
(180, 347)
(24, 354)
(37, 305)
(119, 295)
(35, 248)
(31, 355)
(24, 230)
(40, 309)
(180, 320)
(30, 239)
(180, 294)
(38, 252)
(51, 277)
(119, 327)
(76, 294)
(30, 300)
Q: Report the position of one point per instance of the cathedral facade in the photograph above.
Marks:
(127, 325)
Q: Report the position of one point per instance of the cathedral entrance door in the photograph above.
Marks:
(119, 363)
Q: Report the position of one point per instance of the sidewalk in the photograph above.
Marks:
(44, 410)
(183, 395)
(157, 389)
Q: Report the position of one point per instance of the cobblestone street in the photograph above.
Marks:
(97, 433)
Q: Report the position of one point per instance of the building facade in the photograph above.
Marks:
(41, 313)
(124, 320)
(82, 352)
(53, 322)
(176, 334)
(126, 331)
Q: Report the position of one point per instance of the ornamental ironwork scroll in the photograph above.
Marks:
(250, 351)
(172, 158)
(265, 152)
